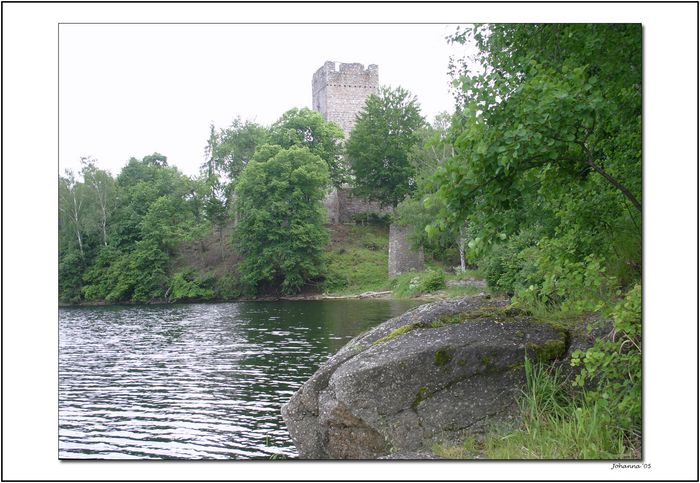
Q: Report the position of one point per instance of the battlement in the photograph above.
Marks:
(339, 91)
(329, 68)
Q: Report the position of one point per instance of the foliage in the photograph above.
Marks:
(372, 218)
(381, 144)
(307, 128)
(124, 231)
(546, 175)
(280, 234)
(557, 424)
(70, 272)
(421, 209)
(186, 286)
(358, 261)
(615, 366)
(229, 150)
(416, 283)
(101, 198)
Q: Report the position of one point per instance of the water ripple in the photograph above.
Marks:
(194, 381)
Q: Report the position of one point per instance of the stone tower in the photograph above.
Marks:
(339, 91)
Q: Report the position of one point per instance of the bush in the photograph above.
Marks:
(432, 281)
(509, 265)
(416, 283)
(615, 366)
(228, 287)
(186, 286)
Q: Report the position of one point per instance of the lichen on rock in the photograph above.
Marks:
(430, 375)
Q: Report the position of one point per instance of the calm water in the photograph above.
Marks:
(202, 381)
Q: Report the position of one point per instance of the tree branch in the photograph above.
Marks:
(628, 194)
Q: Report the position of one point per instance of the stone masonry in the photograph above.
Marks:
(402, 257)
(343, 207)
(339, 91)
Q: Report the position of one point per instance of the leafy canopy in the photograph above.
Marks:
(280, 234)
(381, 144)
(307, 128)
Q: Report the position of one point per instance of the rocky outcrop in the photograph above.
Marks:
(434, 374)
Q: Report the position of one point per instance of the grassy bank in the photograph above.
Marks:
(357, 259)
(557, 423)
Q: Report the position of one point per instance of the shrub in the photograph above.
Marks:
(416, 283)
(186, 286)
(615, 366)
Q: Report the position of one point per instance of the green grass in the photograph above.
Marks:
(465, 275)
(358, 262)
(416, 283)
(556, 424)
(467, 450)
(466, 290)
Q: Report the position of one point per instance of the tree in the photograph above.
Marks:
(304, 127)
(229, 150)
(139, 184)
(101, 184)
(380, 145)
(547, 165)
(432, 152)
(156, 208)
(280, 234)
(563, 96)
(71, 197)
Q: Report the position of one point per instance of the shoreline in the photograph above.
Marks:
(378, 295)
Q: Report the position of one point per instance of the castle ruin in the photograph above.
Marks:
(339, 92)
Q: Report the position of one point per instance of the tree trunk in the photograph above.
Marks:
(76, 218)
(462, 263)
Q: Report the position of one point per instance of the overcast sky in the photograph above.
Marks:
(131, 90)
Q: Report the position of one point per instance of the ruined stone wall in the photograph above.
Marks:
(350, 206)
(402, 257)
(343, 207)
(339, 91)
(332, 207)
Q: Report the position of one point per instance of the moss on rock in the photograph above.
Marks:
(548, 350)
(443, 356)
(420, 397)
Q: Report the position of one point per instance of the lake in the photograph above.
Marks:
(195, 381)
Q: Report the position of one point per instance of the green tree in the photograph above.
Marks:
(547, 173)
(547, 160)
(381, 143)
(304, 127)
(229, 150)
(432, 151)
(139, 184)
(101, 187)
(156, 208)
(71, 197)
(280, 234)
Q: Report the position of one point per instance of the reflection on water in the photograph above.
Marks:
(203, 381)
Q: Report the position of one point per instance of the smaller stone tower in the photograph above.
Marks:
(402, 257)
(339, 91)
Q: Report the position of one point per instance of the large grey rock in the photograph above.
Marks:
(451, 368)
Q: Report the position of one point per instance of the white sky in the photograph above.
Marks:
(131, 90)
